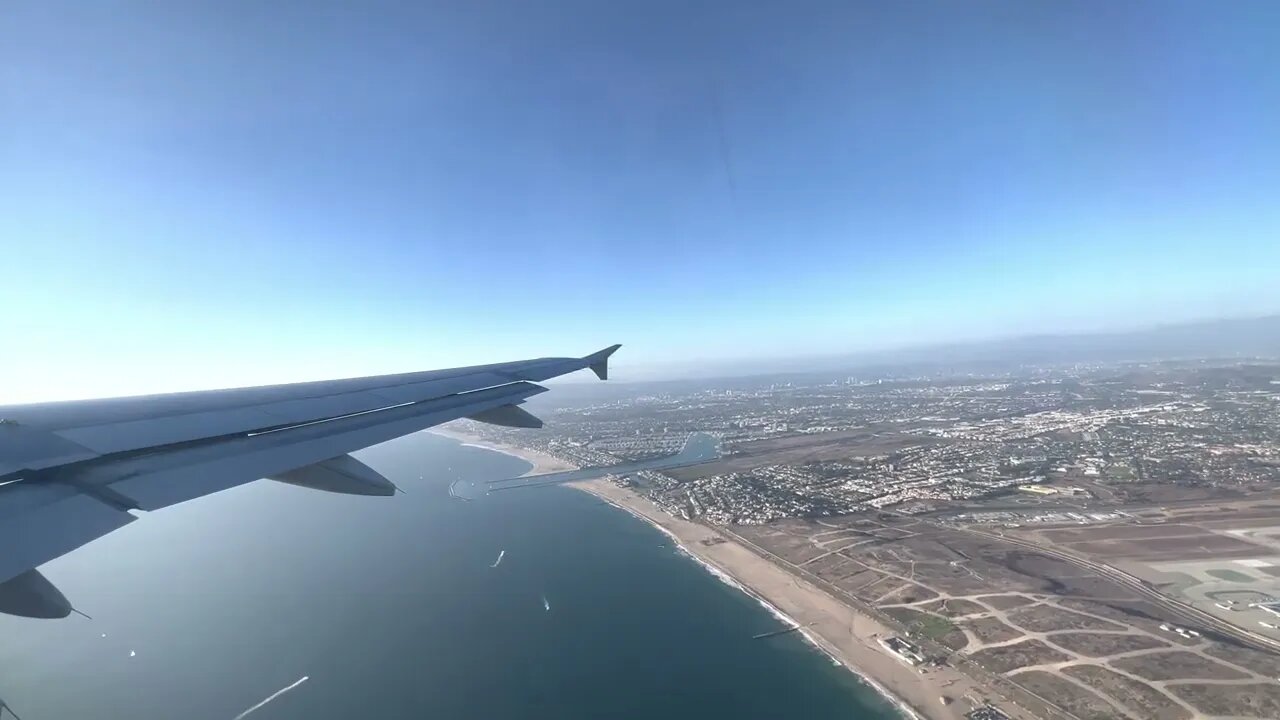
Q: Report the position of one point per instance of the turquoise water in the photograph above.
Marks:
(391, 609)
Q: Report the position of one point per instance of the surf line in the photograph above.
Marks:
(273, 696)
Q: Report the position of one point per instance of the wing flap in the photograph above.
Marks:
(28, 448)
(161, 479)
(344, 475)
(508, 416)
(137, 434)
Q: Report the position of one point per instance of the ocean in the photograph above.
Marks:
(394, 608)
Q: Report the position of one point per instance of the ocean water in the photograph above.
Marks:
(389, 607)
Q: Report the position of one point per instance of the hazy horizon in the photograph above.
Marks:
(1249, 336)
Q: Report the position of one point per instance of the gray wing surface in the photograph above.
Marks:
(71, 472)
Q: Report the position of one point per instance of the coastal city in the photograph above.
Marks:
(1076, 542)
(1064, 439)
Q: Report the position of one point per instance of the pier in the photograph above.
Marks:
(775, 633)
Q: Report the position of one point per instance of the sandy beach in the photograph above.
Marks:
(542, 462)
(849, 637)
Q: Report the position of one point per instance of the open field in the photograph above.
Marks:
(1120, 532)
(927, 625)
(1230, 575)
(1222, 560)
(1046, 618)
(1138, 614)
(1189, 534)
(1148, 542)
(1042, 623)
(1005, 602)
(1165, 494)
(1005, 658)
(1079, 701)
(907, 592)
(1102, 644)
(1177, 665)
(1262, 663)
(1254, 701)
(991, 630)
(1139, 697)
(953, 607)
(1253, 511)
(1169, 548)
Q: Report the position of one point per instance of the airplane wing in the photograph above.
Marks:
(71, 472)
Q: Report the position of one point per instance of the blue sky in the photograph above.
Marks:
(211, 194)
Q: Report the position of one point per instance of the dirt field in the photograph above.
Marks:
(1011, 657)
(991, 630)
(908, 593)
(1047, 618)
(1177, 665)
(947, 561)
(1262, 701)
(855, 582)
(1121, 532)
(1103, 644)
(1006, 602)
(1076, 700)
(794, 549)
(1247, 513)
(873, 591)
(953, 607)
(1163, 494)
(1200, 547)
(1136, 613)
(1155, 542)
(1142, 699)
(909, 616)
(1259, 662)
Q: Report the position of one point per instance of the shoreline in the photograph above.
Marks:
(818, 644)
(542, 462)
(833, 628)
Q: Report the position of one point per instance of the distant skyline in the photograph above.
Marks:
(226, 193)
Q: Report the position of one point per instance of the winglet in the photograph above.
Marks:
(599, 361)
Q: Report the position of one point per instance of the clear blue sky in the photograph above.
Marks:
(205, 194)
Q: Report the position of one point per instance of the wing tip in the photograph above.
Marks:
(599, 361)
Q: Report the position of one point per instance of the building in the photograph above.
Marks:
(904, 649)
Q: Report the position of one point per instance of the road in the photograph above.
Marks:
(1184, 612)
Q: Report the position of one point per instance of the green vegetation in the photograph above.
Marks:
(933, 627)
(1121, 473)
(928, 625)
(1230, 576)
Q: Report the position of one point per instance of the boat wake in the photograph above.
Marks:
(271, 697)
